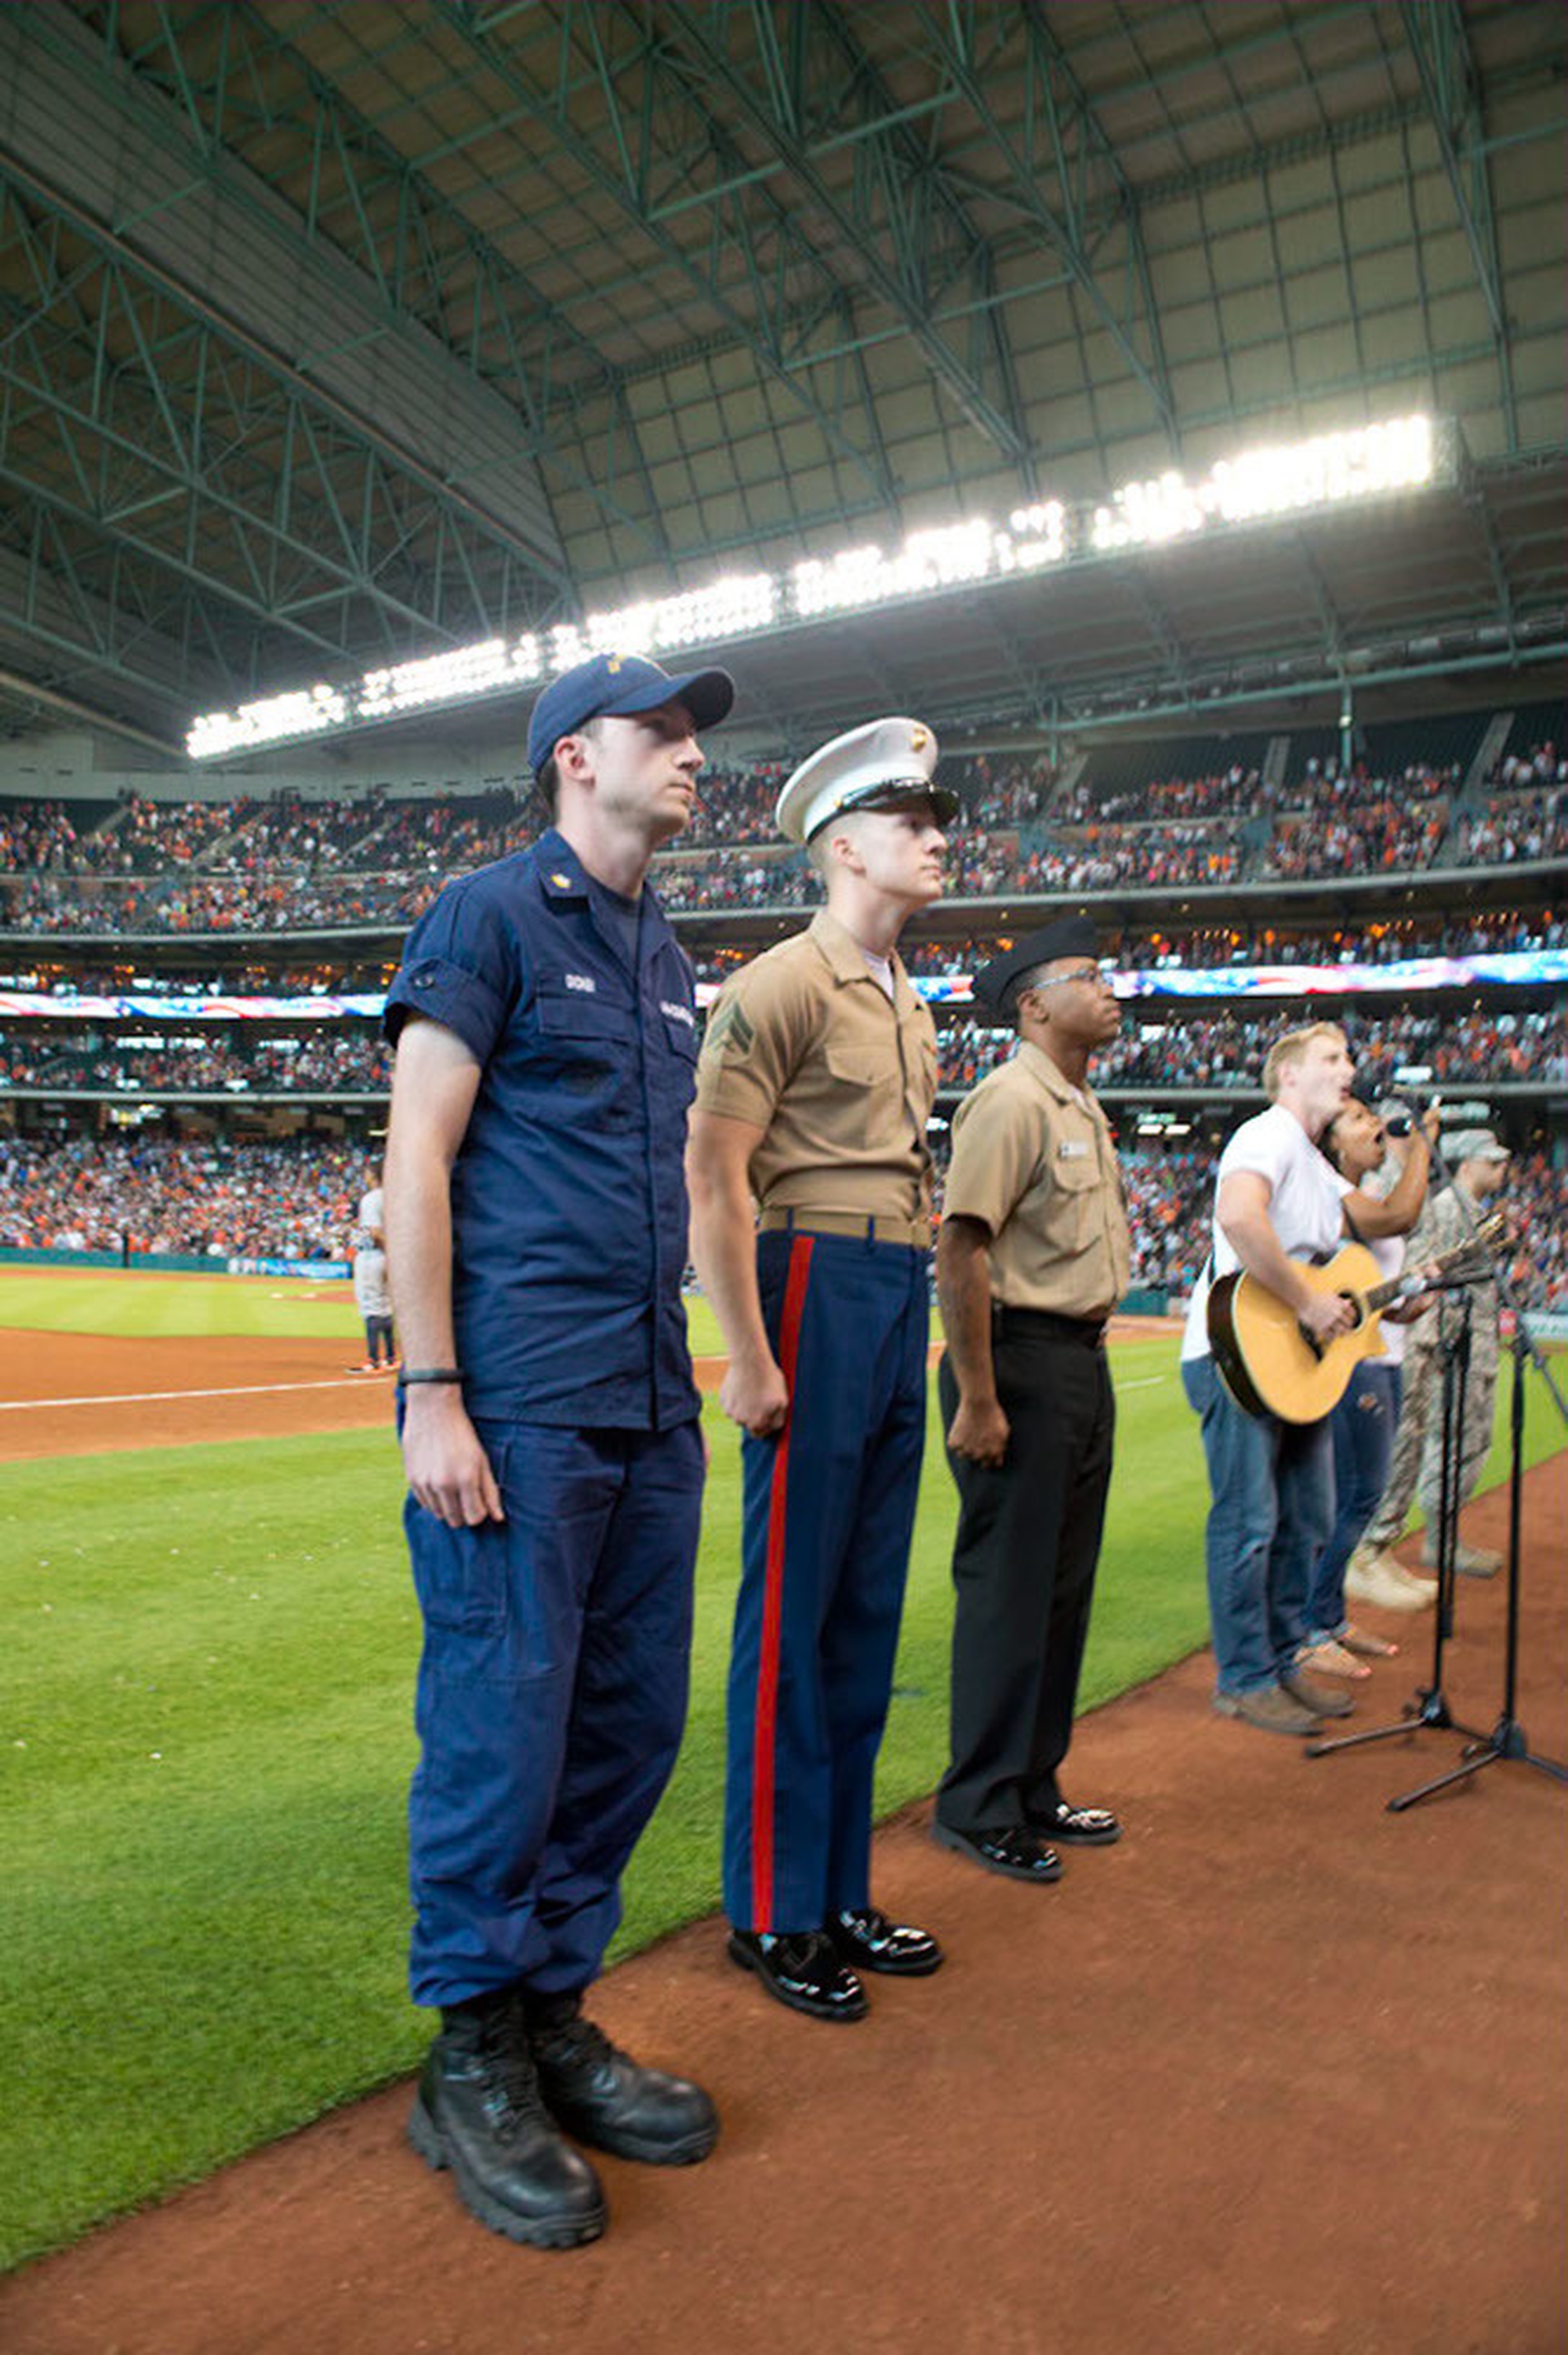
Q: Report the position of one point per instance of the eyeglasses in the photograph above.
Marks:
(1083, 973)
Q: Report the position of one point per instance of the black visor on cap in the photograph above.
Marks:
(894, 793)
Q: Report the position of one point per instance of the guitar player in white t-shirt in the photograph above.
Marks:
(1271, 1483)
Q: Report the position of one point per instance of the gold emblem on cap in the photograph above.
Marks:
(916, 740)
(612, 661)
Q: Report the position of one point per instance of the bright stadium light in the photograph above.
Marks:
(1330, 470)
(1283, 479)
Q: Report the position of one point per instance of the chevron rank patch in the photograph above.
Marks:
(730, 1035)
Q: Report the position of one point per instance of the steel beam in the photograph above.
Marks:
(146, 424)
(1450, 84)
(891, 201)
(768, 250)
(116, 155)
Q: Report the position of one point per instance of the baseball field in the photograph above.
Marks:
(205, 1712)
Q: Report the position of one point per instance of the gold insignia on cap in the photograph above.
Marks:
(916, 740)
(612, 661)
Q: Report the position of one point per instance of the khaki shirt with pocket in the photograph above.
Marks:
(805, 1043)
(1033, 1163)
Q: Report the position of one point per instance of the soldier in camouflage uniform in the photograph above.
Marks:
(1479, 1163)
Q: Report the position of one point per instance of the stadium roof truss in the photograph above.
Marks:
(334, 332)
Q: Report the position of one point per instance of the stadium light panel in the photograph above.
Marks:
(1328, 471)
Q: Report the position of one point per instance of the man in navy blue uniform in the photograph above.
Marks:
(818, 1072)
(535, 1214)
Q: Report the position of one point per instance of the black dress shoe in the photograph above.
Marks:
(1022, 1855)
(604, 2097)
(1076, 1826)
(867, 1939)
(802, 1969)
(478, 2112)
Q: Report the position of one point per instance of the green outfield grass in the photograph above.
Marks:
(150, 1307)
(45, 1300)
(205, 1745)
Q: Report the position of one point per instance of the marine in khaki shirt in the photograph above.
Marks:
(1033, 1256)
(814, 1087)
(804, 1045)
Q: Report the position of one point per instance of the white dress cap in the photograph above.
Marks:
(880, 765)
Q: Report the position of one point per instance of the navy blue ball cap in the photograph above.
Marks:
(1067, 936)
(621, 685)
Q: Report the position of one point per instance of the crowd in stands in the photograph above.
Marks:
(1432, 934)
(1542, 764)
(291, 1199)
(1381, 834)
(1226, 1050)
(287, 863)
(1514, 827)
(1222, 1051)
(324, 1062)
(296, 1197)
(1323, 789)
(194, 903)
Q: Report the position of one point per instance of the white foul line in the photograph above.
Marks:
(152, 1397)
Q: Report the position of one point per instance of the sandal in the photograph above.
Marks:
(1367, 1648)
(1329, 1659)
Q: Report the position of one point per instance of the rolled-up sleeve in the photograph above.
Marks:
(460, 968)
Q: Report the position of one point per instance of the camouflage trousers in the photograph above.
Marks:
(1415, 1466)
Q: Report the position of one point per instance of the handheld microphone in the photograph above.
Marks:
(1401, 1118)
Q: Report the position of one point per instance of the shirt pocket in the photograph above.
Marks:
(1075, 1217)
(866, 1081)
(584, 1046)
(577, 1014)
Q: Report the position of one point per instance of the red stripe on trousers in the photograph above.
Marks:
(764, 1737)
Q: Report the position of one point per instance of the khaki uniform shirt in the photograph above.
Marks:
(805, 1043)
(1033, 1162)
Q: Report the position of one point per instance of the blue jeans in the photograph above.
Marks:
(1362, 1426)
(1272, 1485)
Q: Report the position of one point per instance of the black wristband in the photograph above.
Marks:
(432, 1374)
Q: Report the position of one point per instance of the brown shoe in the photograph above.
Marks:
(1268, 1707)
(1320, 1699)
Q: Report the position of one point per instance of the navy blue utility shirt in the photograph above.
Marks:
(568, 1193)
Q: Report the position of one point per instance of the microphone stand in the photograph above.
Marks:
(1430, 1706)
(1507, 1738)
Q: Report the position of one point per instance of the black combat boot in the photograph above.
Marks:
(478, 2112)
(606, 2098)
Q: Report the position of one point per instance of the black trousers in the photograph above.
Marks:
(1024, 1558)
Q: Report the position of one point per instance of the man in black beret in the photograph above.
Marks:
(1033, 1256)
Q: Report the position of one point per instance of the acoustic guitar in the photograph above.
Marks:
(1269, 1362)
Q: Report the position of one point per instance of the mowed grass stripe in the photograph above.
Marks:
(191, 1307)
(205, 1745)
(168, 1306)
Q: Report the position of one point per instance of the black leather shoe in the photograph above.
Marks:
(802, 1969)
(870, 1942)
(604, 2097)
(1076, 1827)
(1022, 1855)
(478, 2112)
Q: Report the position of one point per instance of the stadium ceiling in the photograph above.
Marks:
(334, 332)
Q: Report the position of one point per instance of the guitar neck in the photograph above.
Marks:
(1381, 1293)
